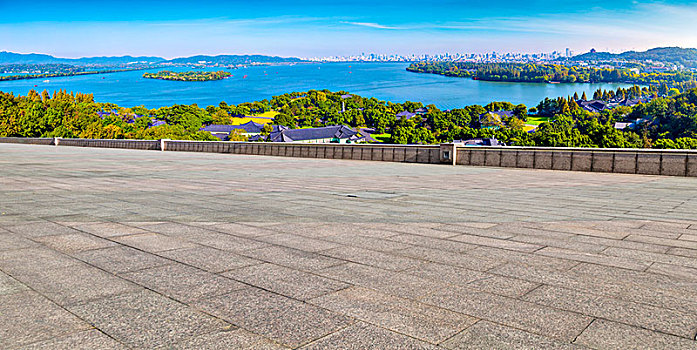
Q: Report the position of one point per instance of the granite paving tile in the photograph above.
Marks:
(361, 336)
(74, 242)
(209, 259)
(641, 315)
(433, 243)
(482, 281)
(488, 335)
(686, 273)
(153, 242)
(419, 229)
(603, 334)
(535, 260)
(287, 321)
(654, 257)
(379, 244)
(285, 281)
(299, 242)
(84, 340)
(12, 241)
(686, 237)
(34, 260)
(239, 229)
(227, 339)
(607, 242)
(619, 283)
(182, 283)
(75, 284)
(690, 253)
(546, 321)
(9, 285)
(497, 243)
(106, 229)
(402, 285)
(408, 317)
(121, 259)
(663, 241)
(38, 229)
(561, 242)
(600, 259)
(381, 260)
(28, 317)
(293, 258)
(226, 242)
(449, 258)
(147, 320)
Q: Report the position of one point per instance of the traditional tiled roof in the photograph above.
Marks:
(405, 115)
(500, 114)
(327, 132)
(248, 127)
(594, 106)
(481, 142)
(156, 122)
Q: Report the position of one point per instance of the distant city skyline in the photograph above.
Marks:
(310, 28)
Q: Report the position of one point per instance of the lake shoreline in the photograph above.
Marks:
(385, 81)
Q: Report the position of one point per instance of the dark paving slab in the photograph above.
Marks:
(285, 281)
(610, 335)
(210, 259)
(108, 248)
(28, 317)
(282, 319)
(121, 259)
(364, 336)
(85, 340)
(183, 283)
(487, 335)
(404, 316)
(147, 319)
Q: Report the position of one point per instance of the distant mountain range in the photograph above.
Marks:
(34, 58)
(678, 55)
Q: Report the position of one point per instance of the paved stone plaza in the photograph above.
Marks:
(107, 248)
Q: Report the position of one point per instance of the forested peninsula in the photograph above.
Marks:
(188, 76)
(556, 73)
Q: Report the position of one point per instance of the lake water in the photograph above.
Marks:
(385, 81)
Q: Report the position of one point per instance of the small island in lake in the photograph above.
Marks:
(188, 76)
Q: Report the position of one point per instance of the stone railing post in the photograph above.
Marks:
(163, 144)
(448, 153)
(56, 141)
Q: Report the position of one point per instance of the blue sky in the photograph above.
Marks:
(308, 28)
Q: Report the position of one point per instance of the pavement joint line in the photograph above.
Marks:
(158, 293)
(62, 308)
(583, 330)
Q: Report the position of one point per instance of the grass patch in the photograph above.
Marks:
(240, 121)
(536, 120)
(384, 138)
(269, 114)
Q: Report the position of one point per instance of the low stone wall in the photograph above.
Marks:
(27, 140)
(629, 161)
(128, 144)
(375, 152)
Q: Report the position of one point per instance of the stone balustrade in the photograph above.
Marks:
(629, 161)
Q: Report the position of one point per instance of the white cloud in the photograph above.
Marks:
(373, 25)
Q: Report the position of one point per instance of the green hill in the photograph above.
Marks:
(677, 55)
